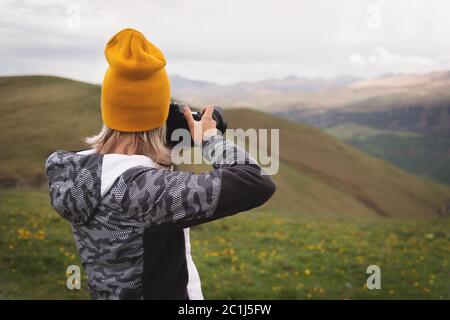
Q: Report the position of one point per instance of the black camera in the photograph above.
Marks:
(176, 120)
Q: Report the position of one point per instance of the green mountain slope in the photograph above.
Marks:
(319, 175)
(421, 153)
(404, 119)
(442, 172)
(332, 174)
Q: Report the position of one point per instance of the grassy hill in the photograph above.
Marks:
(328, 175)
(313, 240)
(319, 175)
(40, 114)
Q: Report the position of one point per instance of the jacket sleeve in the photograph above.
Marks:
(183, 199)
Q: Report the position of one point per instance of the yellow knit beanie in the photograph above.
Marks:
(136, 89)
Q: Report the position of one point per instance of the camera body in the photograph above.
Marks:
(176, 120)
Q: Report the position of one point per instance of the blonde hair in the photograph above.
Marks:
(150, 143)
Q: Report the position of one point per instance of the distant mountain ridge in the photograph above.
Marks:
(249, 94)
(292, 92)
(417, 103)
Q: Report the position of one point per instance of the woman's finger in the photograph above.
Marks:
(188, 115)
(208, 112)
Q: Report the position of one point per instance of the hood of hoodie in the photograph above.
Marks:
(79, 180)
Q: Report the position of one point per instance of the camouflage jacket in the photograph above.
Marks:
(130, 219)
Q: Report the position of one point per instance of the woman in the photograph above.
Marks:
(130, 214)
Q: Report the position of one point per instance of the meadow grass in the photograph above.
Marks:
(254, 255)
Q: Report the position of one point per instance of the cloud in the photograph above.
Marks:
(229, 41)
(357, 60)
(385, 60)
(384, 57)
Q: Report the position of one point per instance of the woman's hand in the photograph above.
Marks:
(201, 129)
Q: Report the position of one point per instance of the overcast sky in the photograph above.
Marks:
(232, 40)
